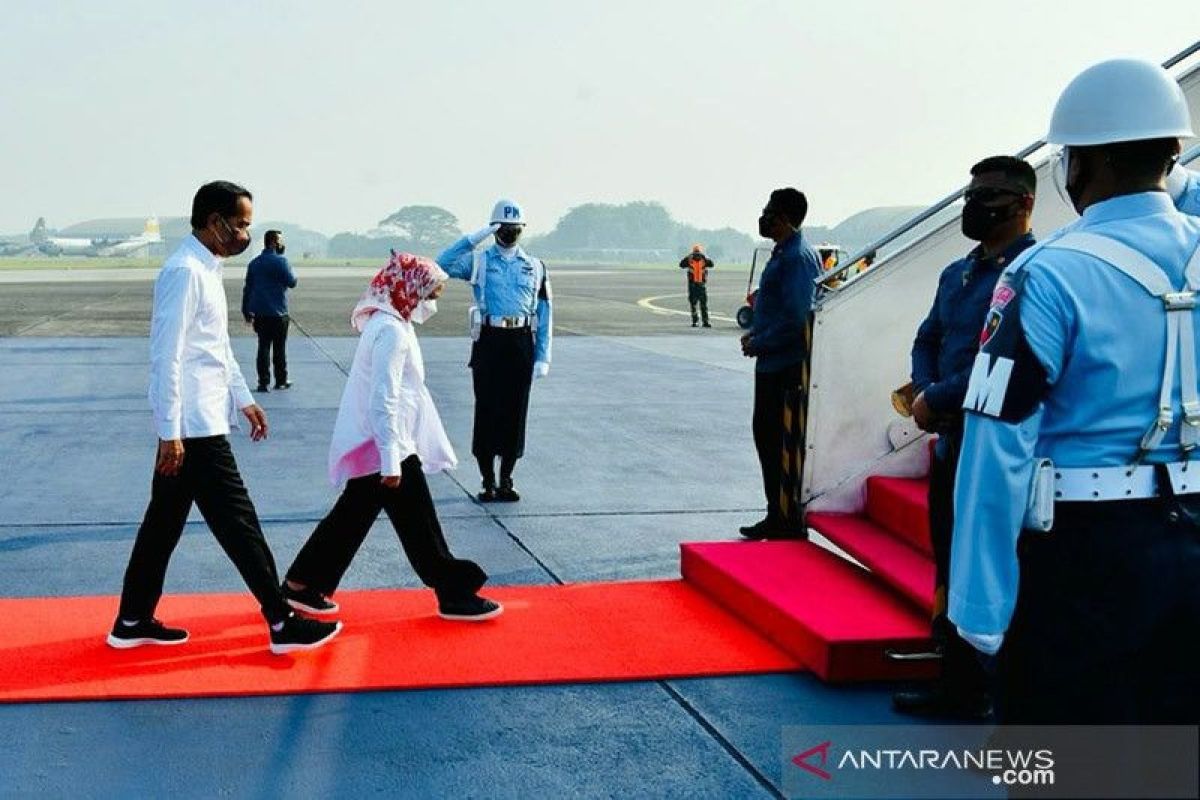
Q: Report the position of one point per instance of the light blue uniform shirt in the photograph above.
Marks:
(511, 289)
(1101, 339)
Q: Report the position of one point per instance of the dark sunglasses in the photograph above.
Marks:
(989, 194)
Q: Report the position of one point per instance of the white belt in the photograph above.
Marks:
(506, 322)
(1096, 484)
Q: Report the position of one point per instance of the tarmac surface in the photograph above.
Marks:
(639, 439)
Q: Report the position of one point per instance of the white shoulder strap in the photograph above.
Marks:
(1179, 306)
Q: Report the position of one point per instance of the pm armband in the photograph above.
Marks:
(1007, 380)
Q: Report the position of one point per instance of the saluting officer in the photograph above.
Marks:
(1076, 551)
(512, 325)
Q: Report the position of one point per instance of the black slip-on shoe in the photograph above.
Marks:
(302, 633)
(469, 609)
(309, 601)
(146, 631)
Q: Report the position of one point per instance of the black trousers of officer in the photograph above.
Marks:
(962, 674)
(770, 395)
(698, 296)
(327, 554)
(272, 348)
(502, 376)
(1106, 628)
(209, 478)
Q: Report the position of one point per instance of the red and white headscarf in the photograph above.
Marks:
(398, 288)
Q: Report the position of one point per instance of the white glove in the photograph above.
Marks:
(988, 643)
(541, 369)
(1177, 181)
(481, 234)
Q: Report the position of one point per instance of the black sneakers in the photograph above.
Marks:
(302, 633)
(262, 387)
(309, 600)
(507, 493)
(468, 609)
(284, 385)
(149, 631)
(488, 495)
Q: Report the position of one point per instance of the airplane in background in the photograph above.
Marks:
(102, 246)
(17, 247)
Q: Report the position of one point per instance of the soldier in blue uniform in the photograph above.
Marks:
(512, 325)
(999, 204)
(1076, 555)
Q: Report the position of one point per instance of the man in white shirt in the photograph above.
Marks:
(196, 390)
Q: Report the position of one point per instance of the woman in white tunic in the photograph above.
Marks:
(388, 434)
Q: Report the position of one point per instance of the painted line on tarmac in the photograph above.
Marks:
(648, 303)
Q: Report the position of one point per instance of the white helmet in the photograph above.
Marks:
(1122, 100)
(508, 212)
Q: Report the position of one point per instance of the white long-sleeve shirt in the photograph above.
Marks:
(196, 385)
(387, 413)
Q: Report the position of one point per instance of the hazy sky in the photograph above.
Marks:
(336, 113)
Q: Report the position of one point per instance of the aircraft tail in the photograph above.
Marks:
(39, 233)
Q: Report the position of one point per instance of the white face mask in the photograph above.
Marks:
(423, 311)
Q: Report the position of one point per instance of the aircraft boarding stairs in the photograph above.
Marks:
(855, 602)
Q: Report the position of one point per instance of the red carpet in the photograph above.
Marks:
(53, 648)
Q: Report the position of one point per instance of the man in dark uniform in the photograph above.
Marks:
(999, 205)
(777, 343)
(697, 265)
(264, 305)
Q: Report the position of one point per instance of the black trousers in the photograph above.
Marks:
(272, 348)
(502, 375)
(1106, 628)
(698, 296)
(770, 393)
(327, 554)
(208, 477)
(962, 673)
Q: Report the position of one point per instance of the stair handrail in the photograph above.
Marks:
(839, 272)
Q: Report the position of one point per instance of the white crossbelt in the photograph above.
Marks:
(1098, 484)
(507, 322)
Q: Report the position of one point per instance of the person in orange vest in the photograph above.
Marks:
(697, 265)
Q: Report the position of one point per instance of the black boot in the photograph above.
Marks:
(507, 493)
(488, 495)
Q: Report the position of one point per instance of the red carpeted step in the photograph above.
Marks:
(901, 505)
(896, 563)
(814, 605)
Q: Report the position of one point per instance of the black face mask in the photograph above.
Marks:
(508, 235)
(234, 245)
(979, 220)
(765, 225)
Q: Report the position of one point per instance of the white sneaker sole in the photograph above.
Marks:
(128, 644)
(316, 612)
(284, 649)
(473, 617)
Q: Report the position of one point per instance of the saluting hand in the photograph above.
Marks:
(258, 422)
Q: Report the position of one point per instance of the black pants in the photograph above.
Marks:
(770, 393)
(698, 296)
(962, 673)
(1107, 623)
(327, 554)
(502, 375)
(209, 478)
(272, 348)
